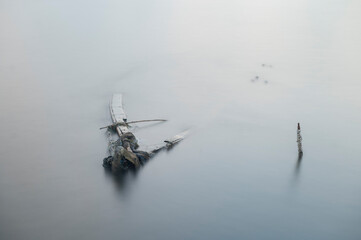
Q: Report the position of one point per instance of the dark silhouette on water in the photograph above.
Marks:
(122, 179)
(296, 172)
(300, 151)
(299, 139)
(298, 164)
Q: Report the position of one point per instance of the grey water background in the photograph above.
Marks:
(192, 62)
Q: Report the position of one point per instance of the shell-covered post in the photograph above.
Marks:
(299, 139)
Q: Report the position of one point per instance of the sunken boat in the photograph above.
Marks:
(124, 152)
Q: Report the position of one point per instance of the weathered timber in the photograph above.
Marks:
(118, 115)
(299, 140)
(169, 143)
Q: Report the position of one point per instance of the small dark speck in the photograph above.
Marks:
(257, 77)
(265, 82)
(266, 65)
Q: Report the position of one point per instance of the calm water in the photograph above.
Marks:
(192, 62)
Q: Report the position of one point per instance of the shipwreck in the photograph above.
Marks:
(124, 152)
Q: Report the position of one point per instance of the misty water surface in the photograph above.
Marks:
(194, 63)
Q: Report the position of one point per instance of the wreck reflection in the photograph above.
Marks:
(122, 179)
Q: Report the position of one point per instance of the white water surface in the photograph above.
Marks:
(192, 62)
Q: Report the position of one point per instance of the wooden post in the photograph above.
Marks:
(299, 140)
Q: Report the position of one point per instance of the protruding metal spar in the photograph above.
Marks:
(127, 123)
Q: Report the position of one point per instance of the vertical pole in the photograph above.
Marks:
(299, 140)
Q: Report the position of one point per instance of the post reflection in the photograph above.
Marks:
(298, 165)
(122, 179)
